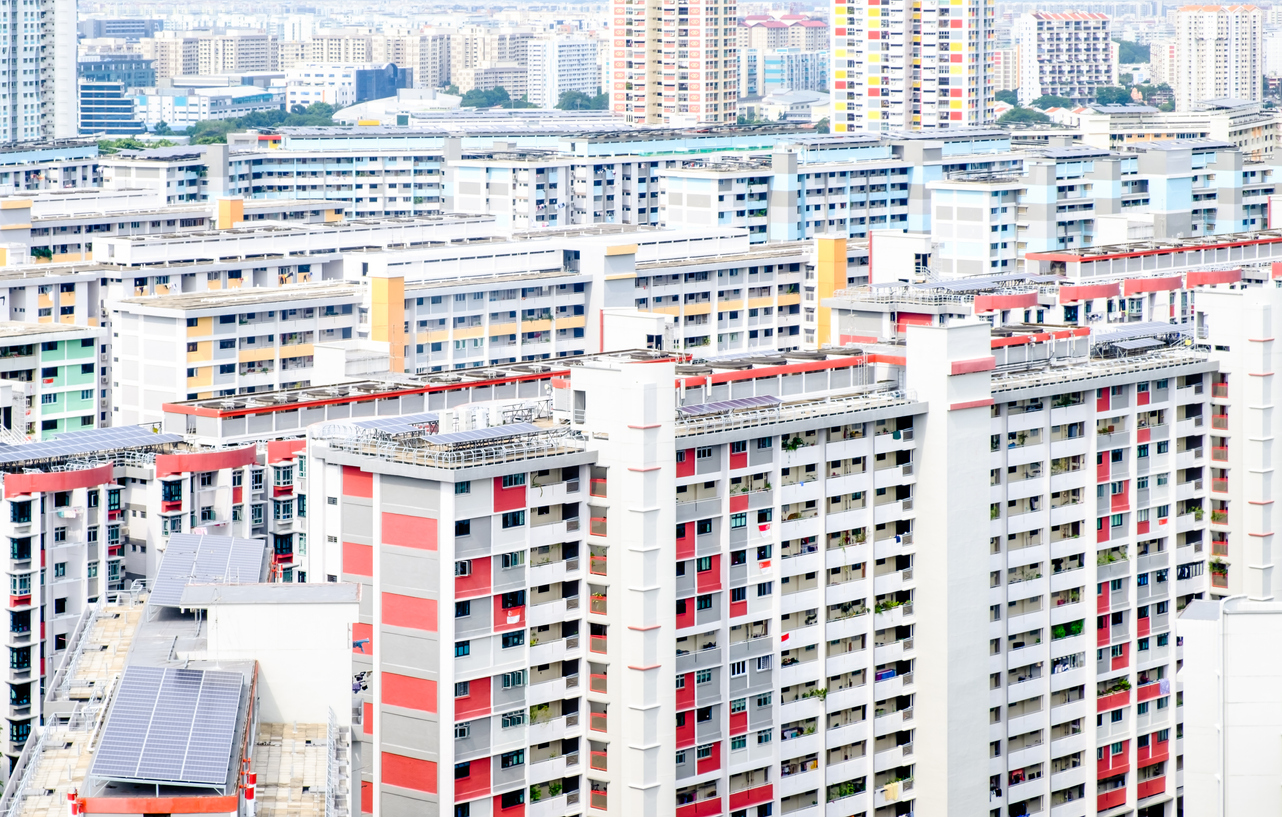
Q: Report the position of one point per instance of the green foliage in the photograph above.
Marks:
(822, 126)
(106, 147)
(497, 98)
(1166, 107)
(1051, 101)
(42, 252)
(750, 118)
(1109, 95)
(1126, 79)
(1009, 97)
(1023, 116)
(214, 131)
(1129, 53)
(452, 90)
(579, 101)
(162, 129)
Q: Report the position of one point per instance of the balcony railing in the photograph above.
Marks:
(598, 762)
(597, 721)
(598, 683)
(597, 644)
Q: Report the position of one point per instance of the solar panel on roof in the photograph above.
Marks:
(399, 424)
(192, 557)
(171, 725)
(481, 434)
(1139, 343)
(86, 442)
(1146, 329)
(729, 405)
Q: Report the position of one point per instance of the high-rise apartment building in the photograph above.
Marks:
(1162, 61)
(674, 65)
(38, 79)
(555, 65)
(1006, 69)
(1068, 54)
(1219, 54)
(912, 64)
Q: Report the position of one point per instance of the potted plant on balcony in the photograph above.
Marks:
(1219, 567)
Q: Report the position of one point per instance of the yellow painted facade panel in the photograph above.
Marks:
(536, 326)
(231, 211)
(666, 310)
(698, 309)
(757, 303)
(204, 352)
(296, 350)
(572, 322)
(622, 249)
(503, 328)
(831, 274)
(255, 355)
(204, 326)
(387, 317)
(790, 299)
(469, 332)
(15, 204)
(730, 304)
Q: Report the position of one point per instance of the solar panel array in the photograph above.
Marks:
(400, 424)
(759, 401)
(171, 725)
(89, 441)
(1145, 329)
(482, 434)
(191, 557)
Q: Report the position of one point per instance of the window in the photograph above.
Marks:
(703, 676)
(514, 639)
(680, 758)
(765, 589)
(681, 682)
(462, 689)
(703, 752)
(764, 662)
(462, 648)
(511, 719)
(738, 594)
(764, 442)
(462, 609)
(509, 759)
(513, 480)
(763, 700)
(462, 771)
(738, 668)
(514, 679)
(738, 742)
(681, 455)
(514, 559)
(1163, 447)
(739, 447)
(703, 453)
(511, 599)
(738, 705)
(513, 519)
(764, 736)
(703, 602)
(1116, 715)
(512, 799)
(703, 527)
(462, 731)
(463, 487)
(703, 564)
(738, 520)
(463, 568)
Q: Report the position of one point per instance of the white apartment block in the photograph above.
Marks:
(1006, 69)
(1219, 54)
(764, 71)
(678, 69)
(38, 98)
(789, 31)
(555, 65)
(1068, 54)
(1162, 62)
(907, 65)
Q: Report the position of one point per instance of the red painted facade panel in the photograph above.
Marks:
(169, 464)
(358, 560)
(508, 499)
(281, 450)
(475, 703)
(363, 639)
(20, 484)
(409, 531)
(411, 693)
(685, 694)
(710, 763)
(738, 460)
(367, 718)
(685, 467)
(476, 784)
(357, 483)
(409, 772)
(409, 611)
(510, 618)
(475, 584)
(685, 540)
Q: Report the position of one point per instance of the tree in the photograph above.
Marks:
(214, 131)
(1051, 101)
(106, 147)
(162, 129)
(1126, 79)
(579, 101)
(822, 126)
(1009, 97)
(1023, 116)
(749, 118)
(1129, 53)
(477, 98)
(452, 90)
(1166, 107)
(1108, 95)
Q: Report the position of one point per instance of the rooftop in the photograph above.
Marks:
(203, 595)
(223, 298)
(19, 329)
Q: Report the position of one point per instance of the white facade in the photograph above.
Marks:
(560, 64)
(1232, 680)
(1219, 54)
(38, 96)
(1065, 54)
(909, 66)
(180, 111)
(333, 84)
